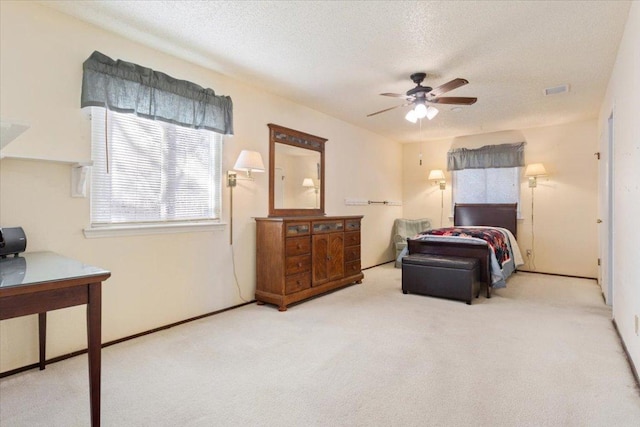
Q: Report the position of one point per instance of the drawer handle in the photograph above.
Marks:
(297, 282)
(298, 247)
(299, 264)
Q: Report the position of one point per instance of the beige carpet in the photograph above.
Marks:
(542, 352)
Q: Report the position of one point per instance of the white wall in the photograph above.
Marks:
(623, 98)
(565, 201)
(156, 279)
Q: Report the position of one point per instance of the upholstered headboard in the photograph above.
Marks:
(494, 214)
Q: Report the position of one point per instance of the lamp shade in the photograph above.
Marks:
(308, 182)
(436, 175)
(535, 169)
(412, 116)
(249, 161)
(421, 111)
(431, 112)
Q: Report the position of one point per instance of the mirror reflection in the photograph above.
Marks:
(297, 173)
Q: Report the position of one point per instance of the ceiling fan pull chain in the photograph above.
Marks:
(421, 142)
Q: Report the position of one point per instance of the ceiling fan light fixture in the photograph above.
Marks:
(431, 112)
(411, 116)
(420, 97)
(421, 111)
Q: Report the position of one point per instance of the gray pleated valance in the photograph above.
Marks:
(489, 156)
(129, 88)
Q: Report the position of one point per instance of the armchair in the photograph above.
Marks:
(403, 228)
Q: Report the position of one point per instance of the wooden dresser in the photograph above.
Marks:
(300, 257)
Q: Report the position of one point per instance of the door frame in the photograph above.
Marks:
(605, 208)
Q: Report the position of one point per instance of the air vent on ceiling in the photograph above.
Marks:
(556, 90)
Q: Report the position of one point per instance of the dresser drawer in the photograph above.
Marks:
(352, 253)
(351, 268)
(351, 224)
(297, 282)
(327, 226)
(297, 264)
(297, 228)
(352, 238)
(298, 246)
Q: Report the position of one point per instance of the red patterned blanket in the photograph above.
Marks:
(496, 239)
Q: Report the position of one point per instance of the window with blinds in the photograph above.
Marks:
(147, 171)
(490, 185)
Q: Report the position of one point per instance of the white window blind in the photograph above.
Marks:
(152, 172)
(491, 185)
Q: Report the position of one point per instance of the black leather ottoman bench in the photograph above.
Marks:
(441, 276)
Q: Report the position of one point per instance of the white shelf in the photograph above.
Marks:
(43, 159)
(364, 202)
(10, 130)
(79, 171)
(356, 202)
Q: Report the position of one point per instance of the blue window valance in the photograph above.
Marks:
(130, 88)
(489, 156)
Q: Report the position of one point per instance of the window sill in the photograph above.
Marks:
(142, 229)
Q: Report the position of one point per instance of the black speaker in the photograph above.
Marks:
(12, 241)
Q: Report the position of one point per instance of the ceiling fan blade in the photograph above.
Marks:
(453, 84)
(382, 111)
(398, 95)
(461, 100)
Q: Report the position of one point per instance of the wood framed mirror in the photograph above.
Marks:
(296, 173)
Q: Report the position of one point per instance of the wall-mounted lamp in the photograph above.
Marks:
(421, 111)
(437, 176)
(533, 171)
(308, 182)
(249, 162)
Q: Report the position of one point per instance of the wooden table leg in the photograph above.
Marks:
(94, 341)
(42, 336)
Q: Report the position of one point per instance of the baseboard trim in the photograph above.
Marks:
(119, 340)
(378, 265)
(558, 274)
(634, 371)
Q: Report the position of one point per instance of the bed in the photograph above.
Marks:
(502, 217)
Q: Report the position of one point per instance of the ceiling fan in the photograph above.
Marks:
(420, 96)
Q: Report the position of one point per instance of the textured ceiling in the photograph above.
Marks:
(338, 56)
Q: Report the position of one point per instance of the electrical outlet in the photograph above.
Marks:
(528, 252)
